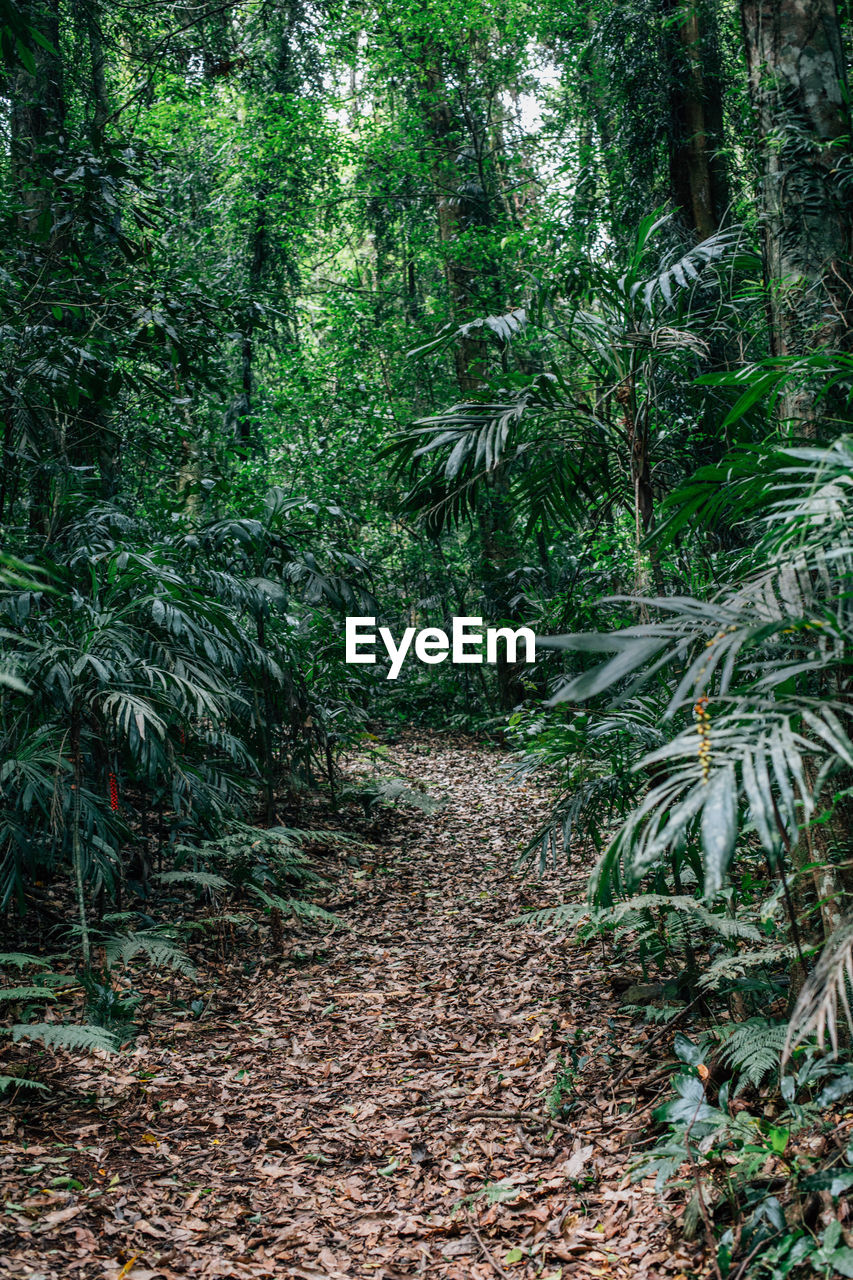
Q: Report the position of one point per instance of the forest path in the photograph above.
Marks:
(380, 1111)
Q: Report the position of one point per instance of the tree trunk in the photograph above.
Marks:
(37, 124)
(461, 203)
(456, 210)
(89, 13)
(798, 85)
(697, 179)
(37, 119)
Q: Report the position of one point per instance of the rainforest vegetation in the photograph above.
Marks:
(537, 314)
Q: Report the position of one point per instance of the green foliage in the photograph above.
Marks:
(213, 259)
(158, 946)
(829, 986)
(752, 1050)
(391, 791)
(8, 1083)
(254, 856)
(64, 1035)
(561, 1100)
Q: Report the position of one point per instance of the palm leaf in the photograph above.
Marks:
(826, 991)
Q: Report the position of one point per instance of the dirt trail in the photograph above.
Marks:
(380, 1111)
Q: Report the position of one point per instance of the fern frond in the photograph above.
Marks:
(21, 1082)
(307, 910)
(19, 960)
(160, 949)
(200, 879)
(26, 993)
(728, 968)
(552, 917)
(724, 926)
(753, 1049)
(310, 911)
(816, 1010)
(65, 1035)
(396, 791)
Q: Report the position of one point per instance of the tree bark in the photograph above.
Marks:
(37, 119)
(37, 125)
(461, 204)
(692, 178)
(798, 86)
(456, 209)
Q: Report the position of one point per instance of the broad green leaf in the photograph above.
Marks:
(719, 828)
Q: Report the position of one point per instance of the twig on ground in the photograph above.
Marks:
(544, 1121)
(626, 1071)
(492, 1261)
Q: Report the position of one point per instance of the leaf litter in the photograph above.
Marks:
(380, 1106)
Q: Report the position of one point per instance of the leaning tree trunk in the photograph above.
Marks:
(798, 82)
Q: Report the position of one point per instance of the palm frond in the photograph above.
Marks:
(826, 991)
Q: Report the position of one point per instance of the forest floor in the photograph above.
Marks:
(375, 1104)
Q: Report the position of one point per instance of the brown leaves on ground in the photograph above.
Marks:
(380, 1111)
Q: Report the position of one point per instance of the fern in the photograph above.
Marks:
(311, 911)
(633, 913)
(300, 908)
(159, 947)
(200, 879)
(26, 993)
(752, 1049)
(724, 926)
(65, 1035)
(210, 924)
(19, 960)
(552, 917)
(21, 1082)
(658, 1013)
(393, 791)
(250, 852)
(728, 968)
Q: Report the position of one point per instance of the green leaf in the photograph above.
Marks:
(842, 1261)
(21, 960)
(778, 1139)
(719, 828)
(690, 1106)
(687, 1051)
(634, 654)
(25, 56)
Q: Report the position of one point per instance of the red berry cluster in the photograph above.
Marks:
(113, 792)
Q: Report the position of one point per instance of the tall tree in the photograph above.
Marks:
(798, 85)
(698, 178)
